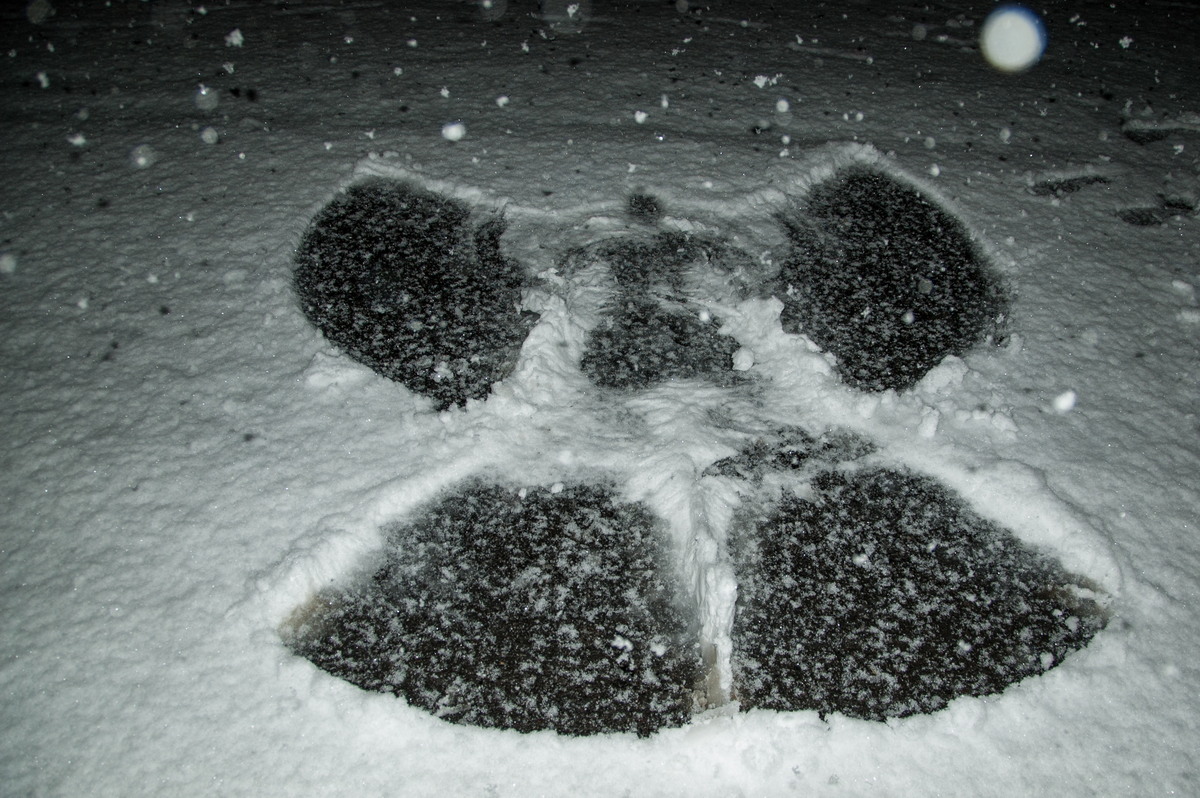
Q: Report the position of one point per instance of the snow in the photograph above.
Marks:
(186, 460)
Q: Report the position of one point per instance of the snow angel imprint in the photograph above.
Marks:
(863, 588)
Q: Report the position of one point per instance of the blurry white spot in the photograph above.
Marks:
(1012, 38)
(862, 560)
(930, 143)
(445, 92)
(1005, 135)
(228, 67)
(492, 10)
(1189, 316)
(39, 11)
(681, 6)
(234, 38)
(663, 102)
(1178, 149)
(502, 100)
(142, 156)
(785, 139)
(782, 106)
(743, 359)
(329, 145)
(1065, 402)
(640, 116)
(348, 39)
(397, 71)
(82, 303)
(919, 32)
(454, 131)
(8, 263)
(621, 643)
(965, 648)
(557, 487)
(1047, 660)
(935, 170)
(412, 42)
(209, 135)
(1125, 42)
(43, 80)
(908, 317)
(77, 139)
(370, 134)
(206, 98)
(566, 17)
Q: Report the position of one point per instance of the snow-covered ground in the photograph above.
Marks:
(186, 460)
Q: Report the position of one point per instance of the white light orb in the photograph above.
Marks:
(207, 99)
(1012, 38)
(492, 10)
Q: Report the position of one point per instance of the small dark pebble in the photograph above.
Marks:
(1066, 185)
(1145, 217)
(1145, 135)
(644, 208)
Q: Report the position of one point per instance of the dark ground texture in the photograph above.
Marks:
(528, 610)
(652, 333)
(883, 595)
(885, 280)
(403, 282)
